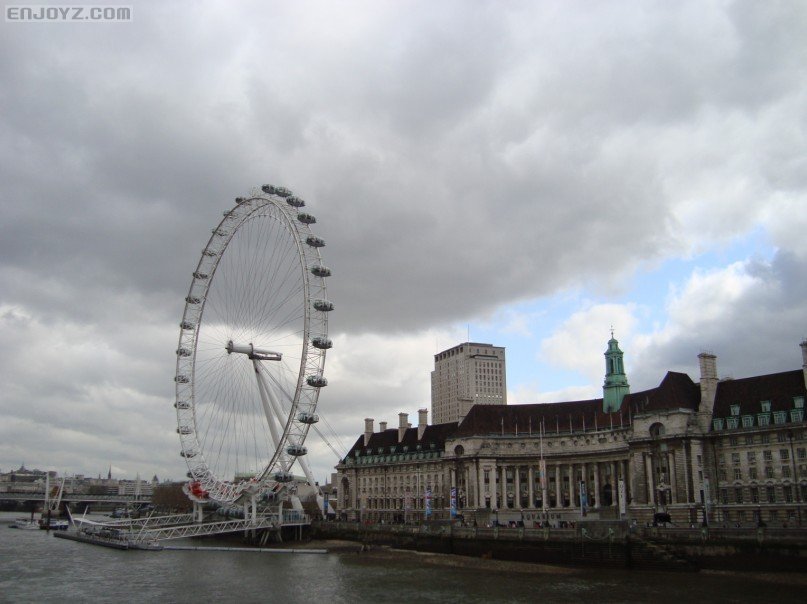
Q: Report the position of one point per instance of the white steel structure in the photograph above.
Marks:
(252, 349)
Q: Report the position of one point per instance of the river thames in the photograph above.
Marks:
(36, 567)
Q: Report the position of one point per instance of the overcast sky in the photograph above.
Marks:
(531, 173)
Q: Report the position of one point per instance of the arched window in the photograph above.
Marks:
(657, 430)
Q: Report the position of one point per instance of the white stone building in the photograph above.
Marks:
(730, 451)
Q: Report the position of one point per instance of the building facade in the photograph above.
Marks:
(725, 451)
(468, 374)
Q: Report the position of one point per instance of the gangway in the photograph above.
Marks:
(147, 533)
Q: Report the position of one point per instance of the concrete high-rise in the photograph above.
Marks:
(468, 374)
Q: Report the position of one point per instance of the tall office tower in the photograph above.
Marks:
(466, 375)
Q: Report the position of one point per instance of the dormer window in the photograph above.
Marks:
(780, 417)
(717, 423)
(748, 421)
(735, 409)
(766, 406)
(798, 402)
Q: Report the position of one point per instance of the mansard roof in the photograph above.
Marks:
(676, 391)
(435, 434)
(778, 388)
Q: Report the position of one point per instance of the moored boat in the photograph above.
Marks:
(25, 524)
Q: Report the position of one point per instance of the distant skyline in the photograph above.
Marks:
(536, 172)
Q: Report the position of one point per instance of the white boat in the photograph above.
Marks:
(55, 524)
(25, 524)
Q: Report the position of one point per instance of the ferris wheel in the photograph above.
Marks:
(252, 347)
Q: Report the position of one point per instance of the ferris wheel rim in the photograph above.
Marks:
(288, 445)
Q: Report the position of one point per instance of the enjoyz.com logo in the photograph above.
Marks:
(28, 13)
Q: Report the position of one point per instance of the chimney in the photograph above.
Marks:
(368, 430)
(382, 426)
(708, 364)
(804, 361)
(403, 424)
(423, 415)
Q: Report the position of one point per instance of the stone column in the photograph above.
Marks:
(614, 485)
(531, 486)
(597, 493)
(494, 487)
(480, 485)
(583, 478)
(503, 487)
(572, 498)
(557, 486)
(671, 471)
(628, 478)
(517, 487)
(648, 468)
(687, 461)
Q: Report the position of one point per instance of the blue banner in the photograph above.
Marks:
(453, 502)
(428, 502)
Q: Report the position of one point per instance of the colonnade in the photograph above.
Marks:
(498, 484)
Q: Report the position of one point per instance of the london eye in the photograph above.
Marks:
(252, 346)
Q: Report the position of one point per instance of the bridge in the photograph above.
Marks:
(78, 498)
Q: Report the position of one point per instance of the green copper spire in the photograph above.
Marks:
(616, 382)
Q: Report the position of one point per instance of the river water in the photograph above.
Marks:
(36, 567)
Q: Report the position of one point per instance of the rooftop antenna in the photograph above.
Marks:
(469, 332)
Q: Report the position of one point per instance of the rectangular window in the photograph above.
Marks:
(738, 474)
(785, 471)
(752, 457)
(770, 492)
(781, 437)
(754, 495)
(732, 422)
(798, 402)
(749, 439)
(752, 473)
(748, 421)
(801, 453)
(768, 471)
(767, 455)
(721, 474)
(784, 454)
(787, 491)
(721, 459)
(779, 417)
(796, 415)
(717, 423)
(735, 458)
(765, 438)
(699, 459)
(734, 441)
(724, 496)
(735, 409)
(763, 419)
(738, 494)
(765, 406)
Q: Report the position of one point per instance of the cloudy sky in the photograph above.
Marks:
(531, 173)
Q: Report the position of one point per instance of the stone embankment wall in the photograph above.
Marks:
(605, 544)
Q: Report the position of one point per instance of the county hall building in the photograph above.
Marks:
(726, 451)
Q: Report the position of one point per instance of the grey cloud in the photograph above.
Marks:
(458, 157)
